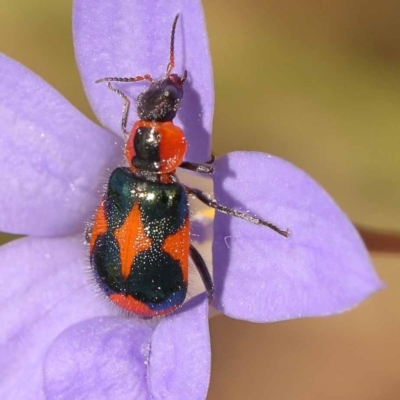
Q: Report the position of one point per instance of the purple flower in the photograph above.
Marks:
(61, 340)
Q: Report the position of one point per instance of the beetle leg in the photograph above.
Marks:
(203, 271)
(127, 102)
(209, 201)
(125, 110)
(202, 168)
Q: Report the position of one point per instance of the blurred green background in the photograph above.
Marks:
(317, 83)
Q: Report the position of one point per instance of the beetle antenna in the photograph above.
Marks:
(171, 63)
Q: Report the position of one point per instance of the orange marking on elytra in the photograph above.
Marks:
(131, 239)
(130, 304)
(99, 226)
(177, 246)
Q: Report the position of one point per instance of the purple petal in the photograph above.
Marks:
(102, 358)
(52, 157)
(42, 292)
(322, 268)
(120, 358)
(180, 357)
(128, 38)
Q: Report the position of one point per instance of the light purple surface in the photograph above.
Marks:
(123, 38)
(99, 359)
(53, 160)
(322, 268)
(180, 363)
(43, 290)
(126, 358)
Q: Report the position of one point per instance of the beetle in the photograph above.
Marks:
(140, 239)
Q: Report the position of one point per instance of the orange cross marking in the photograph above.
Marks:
(131, 239)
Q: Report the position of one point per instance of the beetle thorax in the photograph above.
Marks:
(155, 147)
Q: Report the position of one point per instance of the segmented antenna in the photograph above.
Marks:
(171, 63)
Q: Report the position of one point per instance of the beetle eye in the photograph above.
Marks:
(171, 92)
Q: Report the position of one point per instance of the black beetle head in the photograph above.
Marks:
(160, 101)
